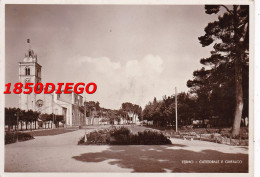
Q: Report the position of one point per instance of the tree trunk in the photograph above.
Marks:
(26, 123)
(238, 76)
(239, 99)
(9, 124)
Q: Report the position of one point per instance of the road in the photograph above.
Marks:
(60, 153)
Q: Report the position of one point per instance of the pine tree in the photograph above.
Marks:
(229, 59)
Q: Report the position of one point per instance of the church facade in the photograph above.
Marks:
(68, 105)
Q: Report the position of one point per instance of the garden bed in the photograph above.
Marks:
(221, 136)
(123, 136)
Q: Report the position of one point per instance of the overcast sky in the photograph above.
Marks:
(133, 53)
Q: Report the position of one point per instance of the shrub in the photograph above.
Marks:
(24, 136)
(212, 130)
(120, 136)
(225, 133)
(11, 137)
(243, 134)
(123, 136)
(81, 140)
(149, 137)
(187, 127)
(95, 137)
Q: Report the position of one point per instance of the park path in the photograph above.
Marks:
(60, 153)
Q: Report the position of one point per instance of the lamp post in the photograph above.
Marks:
(85, 122)
(176, 107)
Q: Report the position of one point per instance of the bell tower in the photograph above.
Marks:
(29, 71)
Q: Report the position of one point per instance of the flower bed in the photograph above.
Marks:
(123, 136)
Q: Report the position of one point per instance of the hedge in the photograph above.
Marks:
(11, 137)
(123, 136)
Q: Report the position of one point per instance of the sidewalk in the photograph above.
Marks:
(60, 153)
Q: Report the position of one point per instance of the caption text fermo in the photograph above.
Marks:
(38, 88)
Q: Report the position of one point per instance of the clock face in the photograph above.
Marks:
(27, 80)
(39, 103)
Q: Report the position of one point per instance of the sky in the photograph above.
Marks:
(132, 52)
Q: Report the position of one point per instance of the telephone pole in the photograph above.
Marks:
(176, 112)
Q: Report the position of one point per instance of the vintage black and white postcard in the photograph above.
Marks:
(127, 88)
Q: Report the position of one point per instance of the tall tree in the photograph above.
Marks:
(230, 35)
(134, 111)
(92, 109)
(10, 117)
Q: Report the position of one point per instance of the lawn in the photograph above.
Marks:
(49, 132)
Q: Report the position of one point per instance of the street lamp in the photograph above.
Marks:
(176, 107)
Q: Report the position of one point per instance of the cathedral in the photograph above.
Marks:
(68, 105)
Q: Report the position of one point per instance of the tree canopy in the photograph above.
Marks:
(222, 88)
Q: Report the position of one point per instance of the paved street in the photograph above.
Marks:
(60, 153)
